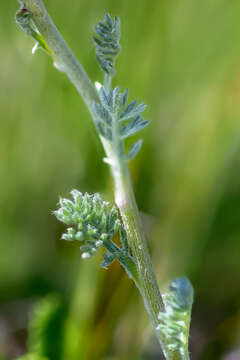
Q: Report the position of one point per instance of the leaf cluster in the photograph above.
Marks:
(176, 318)
(117, 121)
(107, 43)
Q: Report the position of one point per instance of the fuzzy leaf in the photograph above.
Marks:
(105, 98)
(108, 259)
(124, 97)
(175, 321)
(135, 125)
(183, 292)
(102, 113)
(107, 43)
(134, 150)
(128, 110)
(132, 110)
(106, 64)
(123, 239)
(108, 20)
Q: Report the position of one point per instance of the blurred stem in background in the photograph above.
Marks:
(80, 318)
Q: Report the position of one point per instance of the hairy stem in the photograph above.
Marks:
(124, 260)
(125, 200)
(63, 57)
(65, 61)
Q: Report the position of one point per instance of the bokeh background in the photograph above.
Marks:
(183, 59)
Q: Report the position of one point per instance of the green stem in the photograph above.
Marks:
(126, 262)
(63, 57)
(107, 81)
(65, 61)
(125, 200)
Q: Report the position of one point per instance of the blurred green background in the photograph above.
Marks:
(183, 59)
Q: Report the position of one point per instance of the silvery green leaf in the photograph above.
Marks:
(132, 110)
(175, 320)
(130, 126)
(108, 20)
(103, 34)
(106, 65)
(135, 125)
(115, 94)
(124, 97)
(104, 28)
(128, 110)
(99, 42)
(108, 134)
(106, 116)
(108, 259)
(113, 217)
(123, 239)
(107, 44)
(100, 128)
(109, 51)
(97, 109)
(102, 113)
(134, 149)
(183, 292)
(105, 98)
(117, 27)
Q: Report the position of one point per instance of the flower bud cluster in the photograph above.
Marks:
(89, 219)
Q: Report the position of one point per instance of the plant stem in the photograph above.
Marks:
(123, 260)
(107, 81)
(65, 61)
(125, 200)
(63, 57)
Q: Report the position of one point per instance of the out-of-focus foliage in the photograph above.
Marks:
(183, 59)
(31, 357)
(46, 329)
